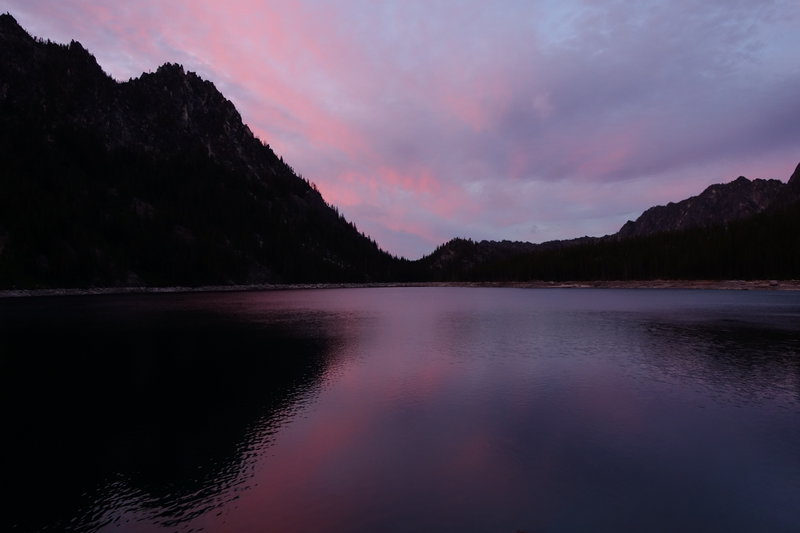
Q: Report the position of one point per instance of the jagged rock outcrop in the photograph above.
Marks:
(718, 204)
(794, 181)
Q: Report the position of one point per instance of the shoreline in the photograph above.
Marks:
(772, 285)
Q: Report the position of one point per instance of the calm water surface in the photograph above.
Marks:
(402, 409)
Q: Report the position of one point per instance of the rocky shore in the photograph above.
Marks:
(790, 285)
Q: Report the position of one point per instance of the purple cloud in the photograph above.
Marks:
(428, 120)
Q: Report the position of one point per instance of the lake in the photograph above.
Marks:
(402, 409)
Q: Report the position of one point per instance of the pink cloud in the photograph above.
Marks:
(606, 156)
(428, 121)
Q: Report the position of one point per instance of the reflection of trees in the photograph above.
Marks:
(746, 360)
(164, 407)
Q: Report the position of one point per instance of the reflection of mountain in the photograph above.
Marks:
(164, 405)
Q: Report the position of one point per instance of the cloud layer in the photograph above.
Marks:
(523, 120)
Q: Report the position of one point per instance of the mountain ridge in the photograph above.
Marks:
(158, 181)
(154, 181)
(718, 205)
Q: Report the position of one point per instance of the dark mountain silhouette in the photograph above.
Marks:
(794, 181)
(763, 246)
(718, 204)
(460, 258)
(742, 229)
(155, 181)
(463, 255)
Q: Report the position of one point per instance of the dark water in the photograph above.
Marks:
(425, 409)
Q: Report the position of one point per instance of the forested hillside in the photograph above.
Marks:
(766, 246)
(154, 181)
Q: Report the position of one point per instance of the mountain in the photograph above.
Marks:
(459, 259)
(718, 204)
(157, 181)
(763, 246)
(453, 259)
(794, 181)
(154, 181)
(742, 229)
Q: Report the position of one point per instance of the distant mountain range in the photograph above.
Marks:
(716, 208)
(156, 181)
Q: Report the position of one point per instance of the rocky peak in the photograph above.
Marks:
(57, 85)
(171, 69)
(717, 204)
(11, 30)
(794, 181)
(187, 91)
(169, 111)
(14, 39)
(15, 44)
(174, 79)
(175, 110)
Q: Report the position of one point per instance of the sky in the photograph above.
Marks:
(523, 120)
